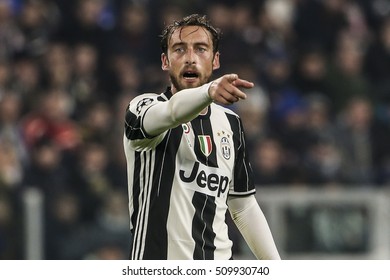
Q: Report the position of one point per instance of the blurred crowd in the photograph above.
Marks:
(319, 115)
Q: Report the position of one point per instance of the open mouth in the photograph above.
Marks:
(190, 75)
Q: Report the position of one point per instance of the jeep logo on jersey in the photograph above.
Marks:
(212, 184)
(142, 103)
(205, 144)
(225, 147)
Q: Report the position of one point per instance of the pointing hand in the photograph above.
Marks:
(226, 89)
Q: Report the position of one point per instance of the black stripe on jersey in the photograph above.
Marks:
(243, 174)
(202, 126)
(202, 226)
(136, 188)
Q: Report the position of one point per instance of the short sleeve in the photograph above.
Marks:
(134, 116)
(243, 183)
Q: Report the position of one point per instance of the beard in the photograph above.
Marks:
(175, 82)
(178, 85)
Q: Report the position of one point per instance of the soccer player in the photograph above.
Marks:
(186, 157)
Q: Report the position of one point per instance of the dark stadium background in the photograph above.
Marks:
(317, 122)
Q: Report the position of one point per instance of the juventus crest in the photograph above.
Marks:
(225, 148)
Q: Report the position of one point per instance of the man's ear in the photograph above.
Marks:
(216, 64)
(164, 62)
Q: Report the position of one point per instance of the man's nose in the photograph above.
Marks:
(190, 57)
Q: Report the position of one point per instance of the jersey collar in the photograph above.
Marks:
(167, 94)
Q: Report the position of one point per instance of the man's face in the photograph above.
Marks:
(189, 60)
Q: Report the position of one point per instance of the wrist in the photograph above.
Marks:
(209, 89)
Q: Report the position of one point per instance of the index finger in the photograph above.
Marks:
(243, 83)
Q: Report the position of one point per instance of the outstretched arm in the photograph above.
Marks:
(251, 222)
(186, 104)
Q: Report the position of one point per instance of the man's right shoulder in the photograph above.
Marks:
(138, 103)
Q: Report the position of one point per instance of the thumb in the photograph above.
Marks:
(231, 77)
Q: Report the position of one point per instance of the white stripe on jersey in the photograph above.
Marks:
(144, 200)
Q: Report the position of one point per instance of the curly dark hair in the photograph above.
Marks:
(191, 20)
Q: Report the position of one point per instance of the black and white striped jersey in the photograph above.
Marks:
(179, 182)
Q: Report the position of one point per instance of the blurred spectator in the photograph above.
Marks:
(280, 15)
(63, 221)
(290, 116)
(323, 164)
(26, 81)
(221, 15)
(117, 156)
(274, 22)
(38, 19)
(235, 26)
(275, 76)
(106, 237)
(269, 163)
(345, 77)
(126, 74)
(131, 36)
(5, 74)
(10, 127)
(318, 23)
(57, 67)
(51, 120)
(358, 25)
(13, 162)
(363, 143)
(319, 120)
(11, 169)
(96, 123)
(47, 169)
(310, 72)
(131, 46)
(11, 37)
(94, 177)
(84, 86)
(322, 158)
(111, 230)
(254, 110)
(168, 13)
(88, 26)
(375, 12)
(377, 68)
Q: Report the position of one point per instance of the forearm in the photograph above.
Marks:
(251, 222)
(183, 107)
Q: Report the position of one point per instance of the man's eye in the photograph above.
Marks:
(202, 50)
(179, 50)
